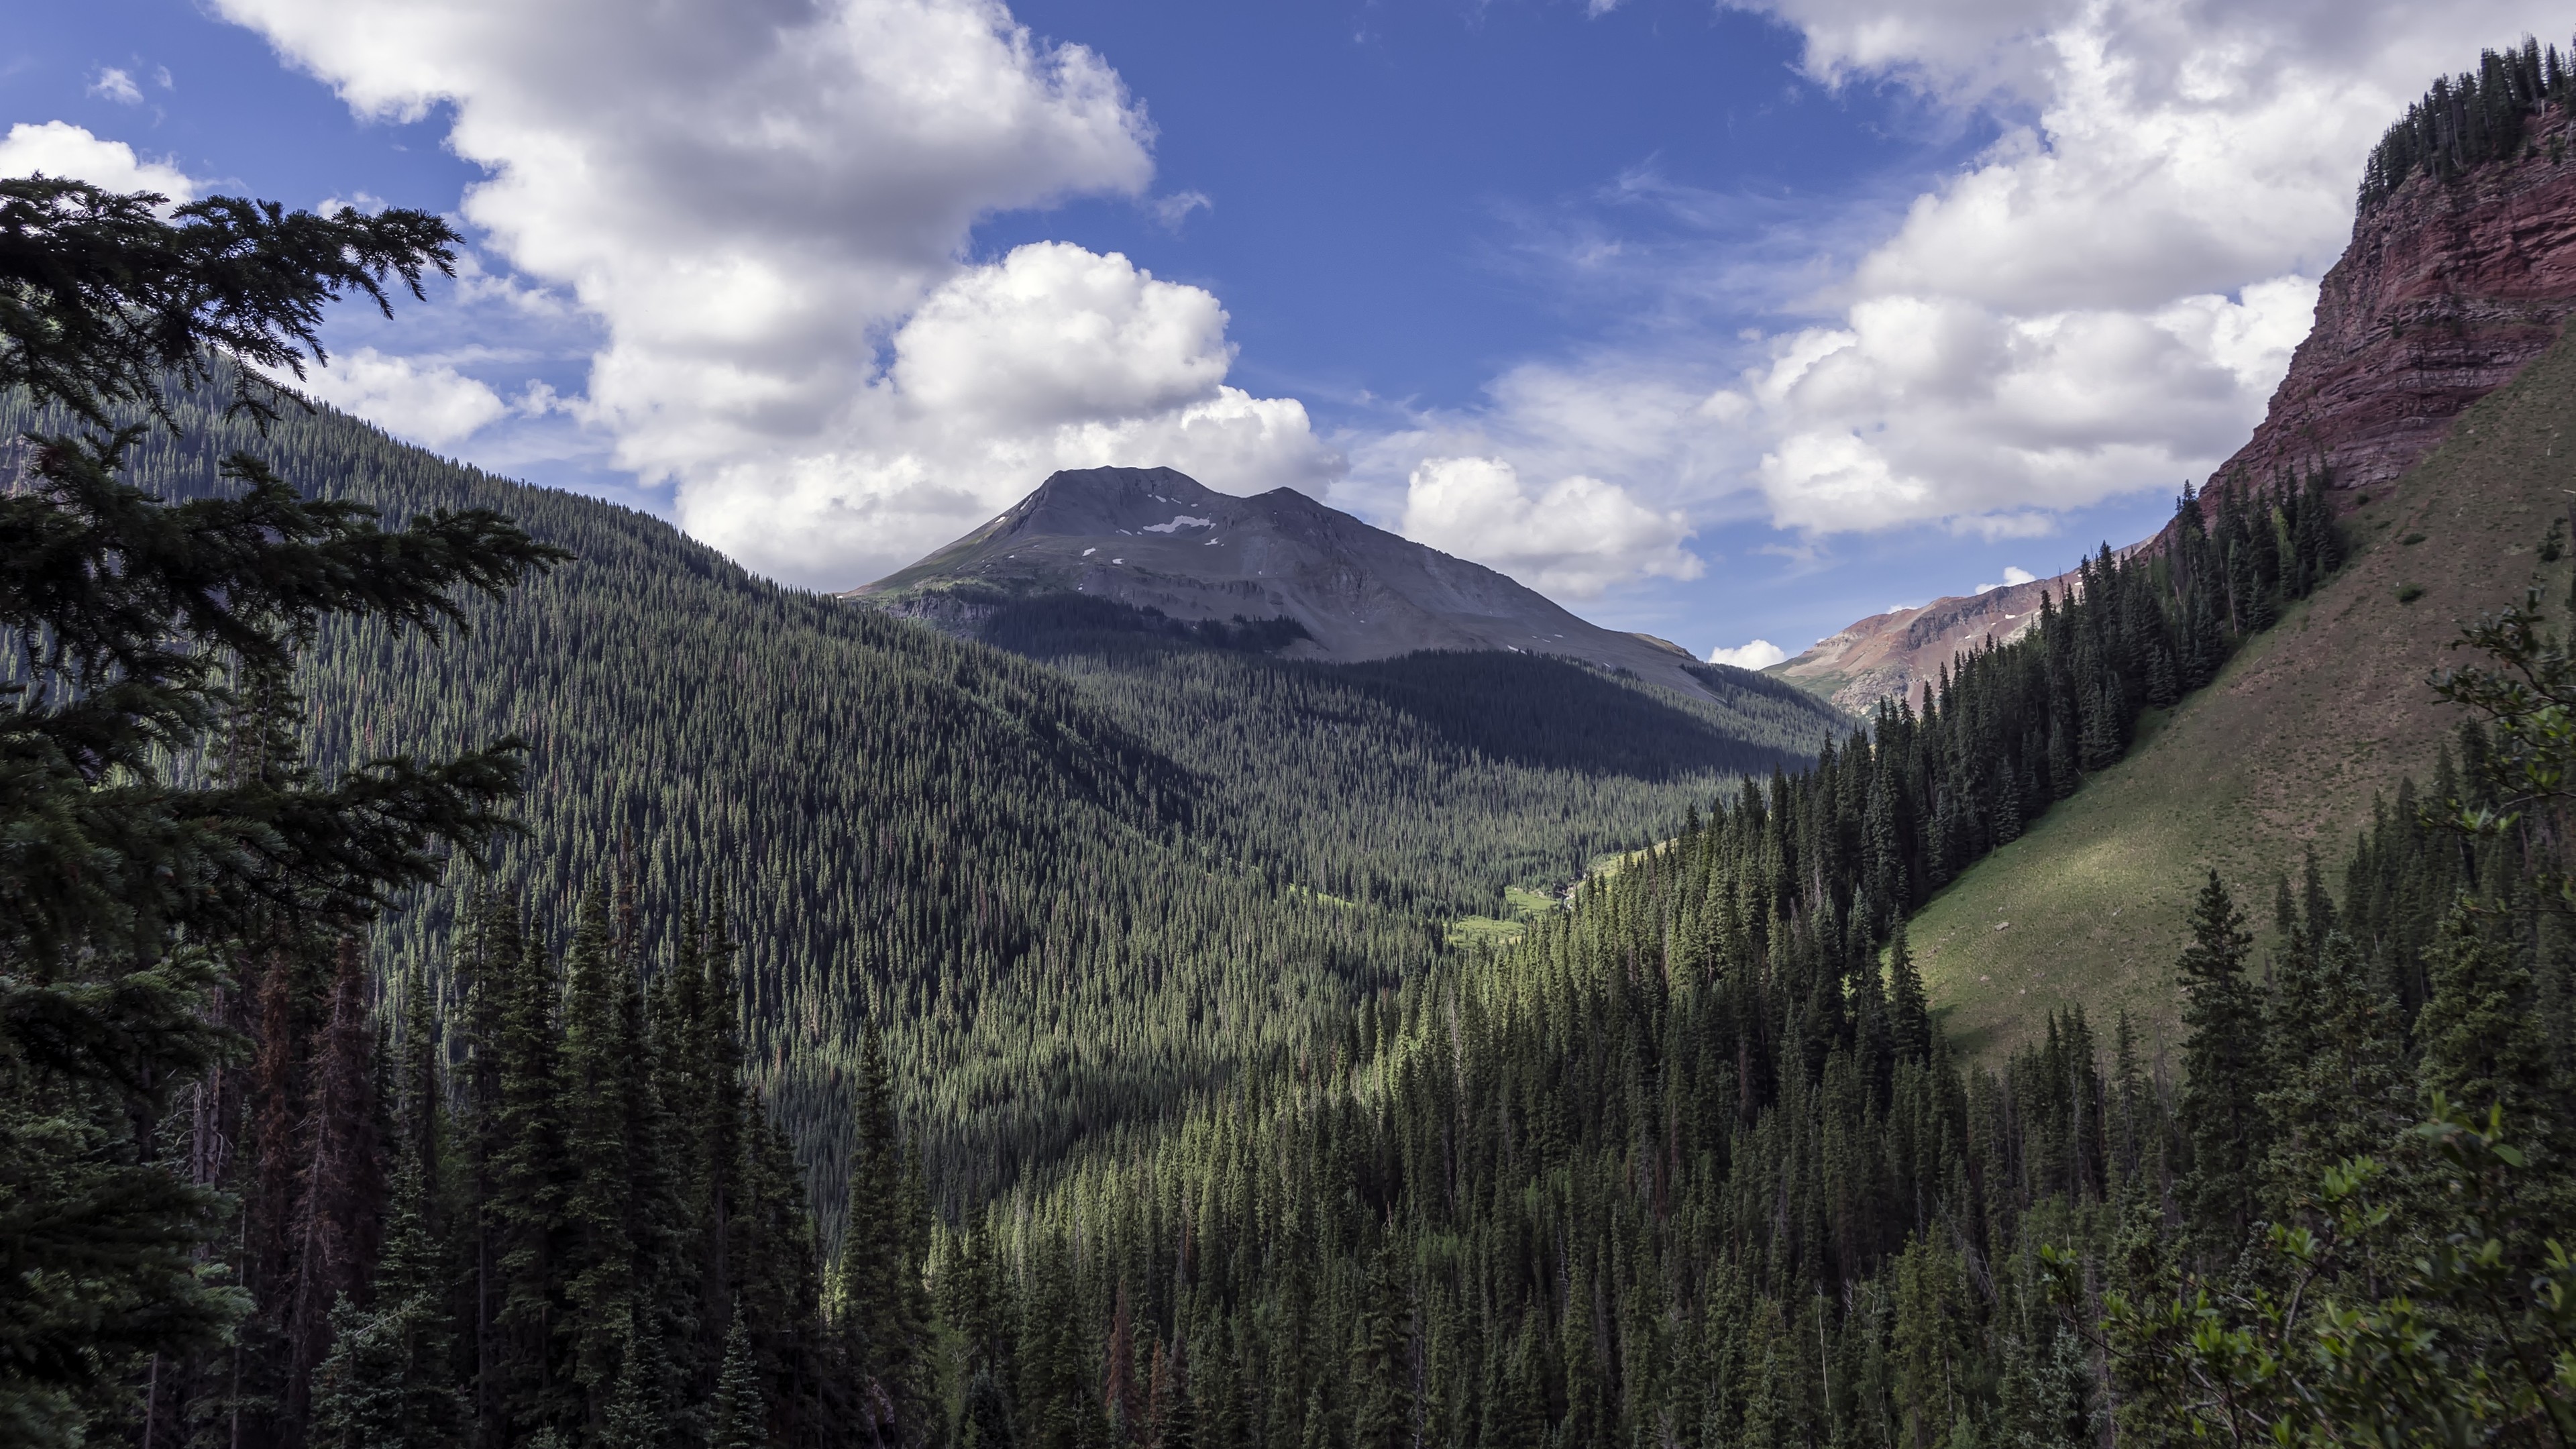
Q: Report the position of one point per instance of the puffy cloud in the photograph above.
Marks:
(1627, 440)
(1936, 407)
(116, 85)
(2013, 577)
(59, 148)
(1954, 43)
(1054, 357)
(1057, 335)
(428, 403)
(763, 207)
(1760, 654)
(2099, 304)
(2103, 302)
(1578, 536)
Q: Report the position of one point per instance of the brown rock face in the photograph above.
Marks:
(1886, 655)
(2447, 291)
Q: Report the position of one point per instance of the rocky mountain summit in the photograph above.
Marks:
(2450, 287)
(1154, 538)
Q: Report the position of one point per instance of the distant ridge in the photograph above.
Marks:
(1154, 538)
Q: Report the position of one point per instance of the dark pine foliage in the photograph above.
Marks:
(884, 1040)
(1445, 775)
(1007, 865)
(1659, 1174)
(1690, 1163)
(185, 1032)
(1053, 624)
(2470, 119)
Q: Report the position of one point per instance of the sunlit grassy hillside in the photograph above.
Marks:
(2287, 748)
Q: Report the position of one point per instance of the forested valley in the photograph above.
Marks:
(1068, 892)
(481, 970)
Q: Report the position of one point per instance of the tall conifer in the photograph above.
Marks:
(2225, 1072)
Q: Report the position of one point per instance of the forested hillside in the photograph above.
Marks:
(1067, 894)
(1671, 1173)
(1457, 772)
(905, 828)
(814, 1032)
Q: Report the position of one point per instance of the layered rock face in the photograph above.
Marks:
(2447, 290)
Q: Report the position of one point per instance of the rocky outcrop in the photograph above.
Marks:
(2446, 292)
(1886, 655)
(2448, 289)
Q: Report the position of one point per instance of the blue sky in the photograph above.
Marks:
(1725, 322)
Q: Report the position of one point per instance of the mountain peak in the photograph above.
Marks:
(1156, 538)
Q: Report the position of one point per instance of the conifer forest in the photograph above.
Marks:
(478, 969)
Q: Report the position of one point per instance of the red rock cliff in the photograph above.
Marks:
(2447, 290)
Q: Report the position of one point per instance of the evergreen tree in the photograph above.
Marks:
(987, 1421)
(741, 1419)
(2338, 1069)
(131, 882)
(525, 1212)
(2482, 1041)
(2225, 1073)
(628, 1420)
(597, 1325)
(1909, 1018)
(879, 1300)
(1382, 1367)
(1515, 1415)
(388, 1382)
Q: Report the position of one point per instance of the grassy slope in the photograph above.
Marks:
(2287, 747)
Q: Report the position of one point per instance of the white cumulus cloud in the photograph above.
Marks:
(2103, 302)
(764, 207)
(1578, 536)
(1760, 654)
(428, 403)
(1631, 453)
(61, 149)
(2099, 304)
(1054, 357)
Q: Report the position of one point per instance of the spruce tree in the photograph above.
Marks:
(526, 1210)
(599, 1186)
(1056, 1400)
(986, 1421)
(1909, 1020)
(2482, 1041)
(387, 1382)
(1515, 1412)
(2225, 1072)
(741, 1418)
(131, 882)
(1382, 1357)
(879, 1300)
(2339, 1088)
